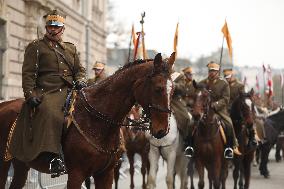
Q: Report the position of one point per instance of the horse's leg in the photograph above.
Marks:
(4, 168)
(75, 178)
(20, 174)
(224, 173)
(200, 170)
(236, 171)
(190, 172)
(265, 149)
(116, 174)
(104, 180)
(154, 156)
(130, 156)
(241, 177)
(144, 157)
(215, 173)
(181, 169)
(171, 159)
(277, 150)
(247, 169)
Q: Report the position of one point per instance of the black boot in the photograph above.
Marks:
(252, 143)
(56, 167)
(189, 151)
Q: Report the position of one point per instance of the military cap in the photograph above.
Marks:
(228, 72)
(55, 18)
(188, 70)
(213, 66)
(99, 65)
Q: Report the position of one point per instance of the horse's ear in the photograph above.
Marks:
(172, 60)
(158, 62)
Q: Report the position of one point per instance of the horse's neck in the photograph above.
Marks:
(114, 96)
(207, 127)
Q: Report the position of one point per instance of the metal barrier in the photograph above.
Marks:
(36, 180)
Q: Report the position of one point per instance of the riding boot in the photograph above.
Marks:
(56, 166)
(189, 151)
(252, 143)
(232, 144)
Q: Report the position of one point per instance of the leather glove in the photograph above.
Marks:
(80, 84)
(33, 101)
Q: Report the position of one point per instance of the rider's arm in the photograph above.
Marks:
(80, 71)
(29, 70)
(224, 99)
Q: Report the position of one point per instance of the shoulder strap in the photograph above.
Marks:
(66, 61)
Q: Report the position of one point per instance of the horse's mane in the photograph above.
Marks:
(105, 83)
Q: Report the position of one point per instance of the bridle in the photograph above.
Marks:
(143, 123)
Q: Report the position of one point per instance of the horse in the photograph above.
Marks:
(242, 117)
(208, 142)
(91, 143)
(170, 148)
(135, 142)
(273, 125)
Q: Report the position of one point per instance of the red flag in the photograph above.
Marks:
(269, 81)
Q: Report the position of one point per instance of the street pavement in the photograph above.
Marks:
(276, 180)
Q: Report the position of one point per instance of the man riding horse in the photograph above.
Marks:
(182, 101)
(236, 87)
(51, 67)
(220, 92)
(100, 74)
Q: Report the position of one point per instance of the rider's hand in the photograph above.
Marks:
(80, 84)
(33, 101)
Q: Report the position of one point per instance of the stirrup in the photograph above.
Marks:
(228, 153)
(56, 167)
(189, 151)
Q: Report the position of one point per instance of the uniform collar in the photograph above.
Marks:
(51, 44)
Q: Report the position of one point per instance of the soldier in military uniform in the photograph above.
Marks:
(51, 67)
(99, 69)
(236, 87)
(189, 90)
(220, 95)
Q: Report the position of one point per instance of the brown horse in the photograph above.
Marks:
(208, 143)
(91, 144)
(136, 142)
(242, 117)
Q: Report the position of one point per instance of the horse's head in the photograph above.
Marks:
(153, 92)
(202, 101)
(243, 107)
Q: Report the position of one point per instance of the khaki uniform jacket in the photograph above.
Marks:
(236, 88)
(47, 75)
(179, 106)
(97, 79)
(220, 93)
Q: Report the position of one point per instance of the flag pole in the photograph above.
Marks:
(129, 47)
(143, 34)
(264, 70)
(221, 53)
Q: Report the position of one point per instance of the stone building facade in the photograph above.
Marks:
(21, 22)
